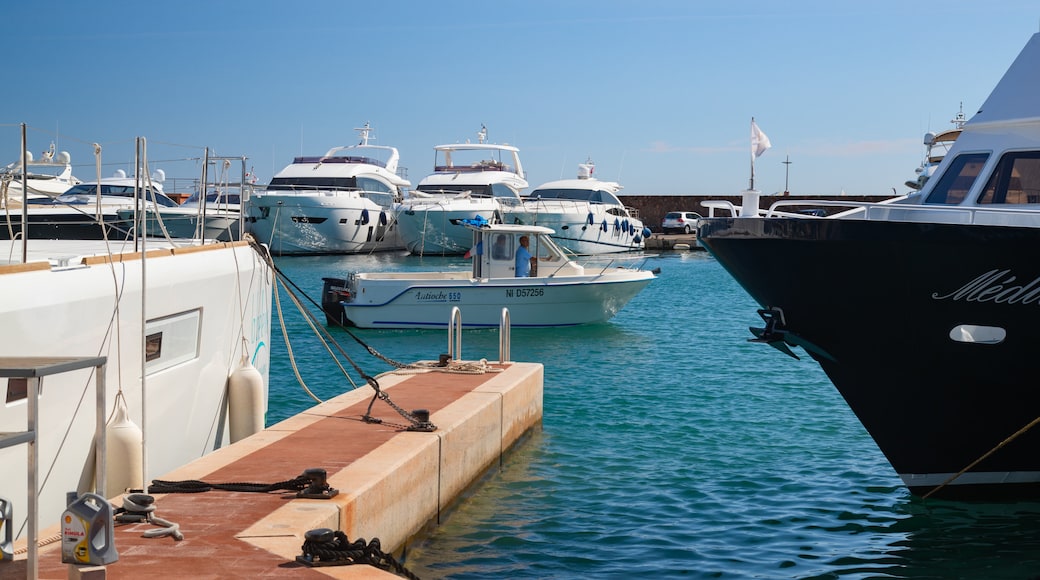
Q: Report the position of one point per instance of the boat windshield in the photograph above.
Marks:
(311, 183)
(1016, 180)
(214, 197)
(589, 195)
(955, 183)
(453, 189)
(127, 191)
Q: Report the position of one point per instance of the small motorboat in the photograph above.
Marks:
(555, 291)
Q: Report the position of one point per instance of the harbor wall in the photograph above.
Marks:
(652, 208)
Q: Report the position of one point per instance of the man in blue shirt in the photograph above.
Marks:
(524, 260)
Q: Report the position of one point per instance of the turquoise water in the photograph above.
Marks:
(672, 448)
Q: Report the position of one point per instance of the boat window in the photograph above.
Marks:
(306, 183)
(502, 190)
(955, 183)
(1016, 180)
(565, 193)
(502, 248)
(475, 190)
(17, 389)
(369, 184)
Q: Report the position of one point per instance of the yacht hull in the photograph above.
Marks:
(888, 309)
(322, 223)
(431, 228)
(205, 307)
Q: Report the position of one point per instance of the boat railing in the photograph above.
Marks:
(504, 337)
(33, 369)
(1027, 215)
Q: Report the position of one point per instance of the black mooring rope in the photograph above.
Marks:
(339, 550)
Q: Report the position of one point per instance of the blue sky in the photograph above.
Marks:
(659, 94)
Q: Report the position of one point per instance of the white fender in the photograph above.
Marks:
(123, 450)
(245, 401)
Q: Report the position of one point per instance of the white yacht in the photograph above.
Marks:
(138, 333)
(89, 210)
(338, 203)
(219, 212)
(469, 180)
(48, 176)
(585, 214)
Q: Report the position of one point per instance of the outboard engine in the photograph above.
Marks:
(332, 296)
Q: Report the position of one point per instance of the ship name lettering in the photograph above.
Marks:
(995, 286)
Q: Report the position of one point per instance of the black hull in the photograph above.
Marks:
(877, 301)
(65, 228)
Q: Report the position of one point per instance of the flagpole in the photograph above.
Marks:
(751, 183)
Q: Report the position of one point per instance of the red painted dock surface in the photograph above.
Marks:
(214, 523)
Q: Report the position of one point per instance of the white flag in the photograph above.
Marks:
(759, 141)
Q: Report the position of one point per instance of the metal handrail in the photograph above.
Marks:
(455, 332)
(504, 337)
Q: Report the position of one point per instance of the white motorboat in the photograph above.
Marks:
(338, 203)
(90, 210)
(469, 181)
(922, 310)
(585, 214)
(558, 291)
(219, 212)
(48, 176)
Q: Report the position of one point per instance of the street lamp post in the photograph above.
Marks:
(787, 174)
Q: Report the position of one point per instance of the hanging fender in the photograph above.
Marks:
(382, 218)
(364, 216)
(245, 401)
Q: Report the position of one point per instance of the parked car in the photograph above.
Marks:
(680, 222)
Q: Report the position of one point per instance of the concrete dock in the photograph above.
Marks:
(673, 242)
(391, 482)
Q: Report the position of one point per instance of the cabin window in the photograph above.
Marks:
(502, 190)
(954, 184)
(172, 340)
(1016, 180)
(312, 183)
(17, 389)
(502, 247)
(369, 184)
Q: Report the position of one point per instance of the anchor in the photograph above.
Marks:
(776, 335)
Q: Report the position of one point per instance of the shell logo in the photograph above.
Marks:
(68, 519)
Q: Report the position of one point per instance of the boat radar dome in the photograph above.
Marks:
(120, 174)
(585, 170)
(64, 158)
(159, 176)
(929, 138)
(28, 156)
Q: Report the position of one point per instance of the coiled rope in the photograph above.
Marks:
(298, 483)
(326, 547)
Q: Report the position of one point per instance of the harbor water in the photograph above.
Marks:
(671, 447)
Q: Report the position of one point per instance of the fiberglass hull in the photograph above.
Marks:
(428, 303)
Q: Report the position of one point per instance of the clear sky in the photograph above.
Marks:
(659, 94)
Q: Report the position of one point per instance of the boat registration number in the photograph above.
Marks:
(524, 292)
